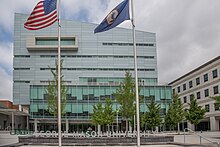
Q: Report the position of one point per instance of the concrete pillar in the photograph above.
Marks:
(12, 121)
(99, 129)
(35, 125)
(67, 125)
(157, 129)
(214, 124)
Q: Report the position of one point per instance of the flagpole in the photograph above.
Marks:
(136, 76)
(59, 100)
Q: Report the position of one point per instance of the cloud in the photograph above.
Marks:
(6, 60)
(5, 85)
(6, 71)
(187, 31)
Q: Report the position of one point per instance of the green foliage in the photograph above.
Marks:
(217, 101)
(152, 118)
(195, 113)
(170, 117)
(52, 92)
(109, 114)
(103, 115)
(97, 115)
(125, 96)
(175, 113)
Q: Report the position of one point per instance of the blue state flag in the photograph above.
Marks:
(119, 14)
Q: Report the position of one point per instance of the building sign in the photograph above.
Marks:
(66, 134)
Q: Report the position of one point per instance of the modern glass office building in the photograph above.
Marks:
(94, 65)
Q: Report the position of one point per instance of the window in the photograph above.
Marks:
(178, 88)
(197, 81)
(173, 90)
(190, 84)
(205, 76)
(191, 97)
(216, 107)
(206, 92)
(215, 73)
(21, 68)
(184, 87)
(184, 99)
(207, 107)
(127, 44)
(198, 95)
(54, 41)
(215, 89)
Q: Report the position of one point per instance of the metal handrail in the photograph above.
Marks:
(200, 136)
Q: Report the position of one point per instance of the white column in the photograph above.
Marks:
(99, 129)
(67, 125)
(214, 124)
(35, 125)
(12, 121)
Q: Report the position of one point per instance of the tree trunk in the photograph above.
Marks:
(126, 127)
(108, 128)
(178, 126)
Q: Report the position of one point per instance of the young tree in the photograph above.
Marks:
(152, 118)
(109, 114)
(195, 113)
(125, 96)
(170, 117)
(103, 115)
(98, 114)
(175, 113)
(52, 92)
(217, 101)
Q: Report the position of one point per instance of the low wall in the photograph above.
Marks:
(6, 138)
(95, 140)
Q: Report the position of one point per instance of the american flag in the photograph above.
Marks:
(43, 15)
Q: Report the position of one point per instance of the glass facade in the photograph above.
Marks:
(81, 98)
(92, 73)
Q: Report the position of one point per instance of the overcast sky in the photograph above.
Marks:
(188, 31)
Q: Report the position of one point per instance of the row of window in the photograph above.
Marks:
(105, 69)
(22, 56)
(102, 69)
(85, 56)
(198, 94)
(22, 69)
(197, 81)
(128, 44)
(54, 41)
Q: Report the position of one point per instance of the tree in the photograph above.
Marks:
(195, 113)
(103, 115)
(175, 113)
(109, 114)
(125, 96)
(170, 117)
(217, 101)
(52, 92)
(152, 118)
(97, 115)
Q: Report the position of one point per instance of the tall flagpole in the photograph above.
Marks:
(136, 76)
(59, 101)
